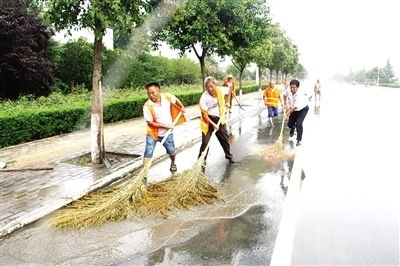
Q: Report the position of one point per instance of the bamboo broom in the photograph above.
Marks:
(276, 152)
(106, 205)
(189, 188)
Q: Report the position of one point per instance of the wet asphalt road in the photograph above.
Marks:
(349, 207)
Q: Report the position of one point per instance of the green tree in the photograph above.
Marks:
(210, 27)
(240, 59)
(266, 52)
(291, 62)
(247, 74)
(185, 70)
(300, 72)
(212, 68)
(388, 73)
(25, 66)
(96, 15)
(73, 63)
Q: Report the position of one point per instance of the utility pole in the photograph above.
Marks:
(378, 76)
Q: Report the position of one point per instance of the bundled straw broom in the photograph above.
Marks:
(108, 205)
(276, 152)
(189, 188)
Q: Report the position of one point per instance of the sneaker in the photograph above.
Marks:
(298, 143)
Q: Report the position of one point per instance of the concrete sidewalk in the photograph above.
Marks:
(27, 196)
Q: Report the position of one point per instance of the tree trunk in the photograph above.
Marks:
(270, 75)
(259, 77)
(240, 78)
(202, 60)
(96, 126)
(203, 69)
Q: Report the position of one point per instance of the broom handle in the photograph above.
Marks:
(170, 130)
(283, 124)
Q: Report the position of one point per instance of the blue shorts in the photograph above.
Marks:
(151, 144)
(272, 111)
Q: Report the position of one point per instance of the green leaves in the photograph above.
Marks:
(218, 26)
(95, 14)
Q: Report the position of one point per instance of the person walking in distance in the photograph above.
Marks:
(317, 90)
(231, 84)
(298, 108)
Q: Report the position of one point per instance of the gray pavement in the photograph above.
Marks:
(27, 196)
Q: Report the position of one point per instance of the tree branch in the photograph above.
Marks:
(195, 51)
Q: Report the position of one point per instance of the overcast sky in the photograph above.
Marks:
(336, 35)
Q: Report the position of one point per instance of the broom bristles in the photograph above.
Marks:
(99, 207)
(276, 151)
(189, 188)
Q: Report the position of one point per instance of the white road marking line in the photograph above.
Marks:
(282, 253)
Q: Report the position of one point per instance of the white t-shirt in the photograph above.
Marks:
(162, 113)
(210, 104)
(299, 100)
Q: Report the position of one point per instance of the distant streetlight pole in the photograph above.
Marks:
(378, 76)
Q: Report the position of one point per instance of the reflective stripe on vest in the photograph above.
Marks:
(272, 96)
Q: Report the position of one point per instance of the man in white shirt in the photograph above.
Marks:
(298, 109)
(157, 112)
(317, 90)
(212, 106)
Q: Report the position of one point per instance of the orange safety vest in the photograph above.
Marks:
(175, 109)
(272, 96)
(221, 105)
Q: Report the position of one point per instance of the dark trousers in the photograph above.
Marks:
(296, 121)
(222, 136)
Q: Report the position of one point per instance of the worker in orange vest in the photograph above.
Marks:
(159, 112)
(272, 97)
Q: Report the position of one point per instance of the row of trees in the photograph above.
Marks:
(73, 65)
(241, 29)
(372, 76)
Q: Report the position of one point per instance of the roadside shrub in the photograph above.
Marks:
(29, 119)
